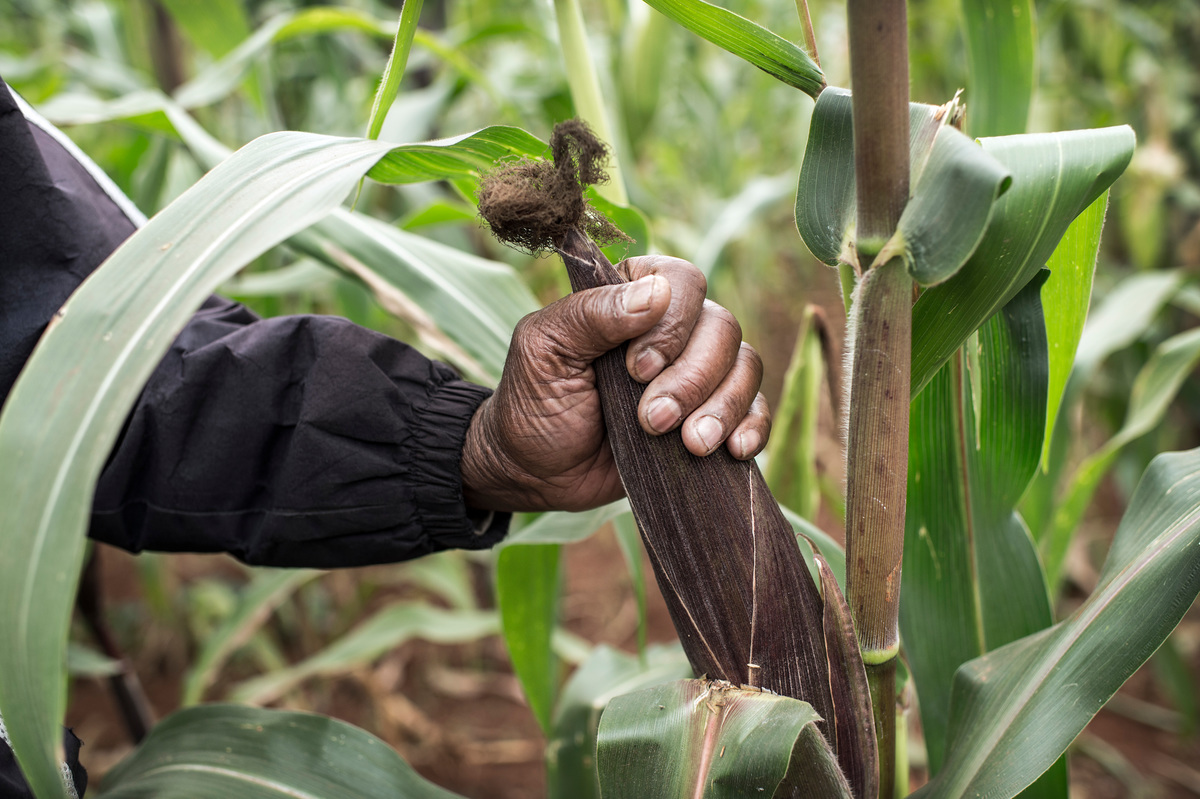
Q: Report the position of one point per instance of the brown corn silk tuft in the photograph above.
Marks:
(726, 560)
(532, 204)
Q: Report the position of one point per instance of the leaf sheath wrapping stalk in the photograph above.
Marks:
(724, 556)
(877, 457)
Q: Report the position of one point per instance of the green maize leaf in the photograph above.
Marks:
(527, 590)
(747, 40)
(560, 527)
(736, 214)
(71, 400)
(1153, 391)
(1015, 710)
(696, 738)
(972, 580)
(527, 594)
(446, 575)
(791, 469)
(147, 109)
(368, 641)
(222, 751)
(1124, 316)
(216, 27)
(223, 77)
(831, 550)
(259, 599)
(393, 70)
(1000, 56)
(1055, 177)
(630, 542)
(1065, 299)
(826, 195)
(629, 220)
(119, 324)
(302, 276)
(607, 673)
(955, 184)
(462, 306)
(83, 661)
(467, 155)
(439, 212)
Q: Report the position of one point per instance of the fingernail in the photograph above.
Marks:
(648, 364)
(663, 413)
(749, 442)
(709, 430)
(639, 294)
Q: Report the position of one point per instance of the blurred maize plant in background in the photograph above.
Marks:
(965, 250)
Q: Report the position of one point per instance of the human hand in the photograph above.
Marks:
(539, 442)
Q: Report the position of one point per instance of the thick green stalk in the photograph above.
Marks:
(881, 680)
(877, 439)
(585, 90)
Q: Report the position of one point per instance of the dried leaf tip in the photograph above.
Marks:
(532, 204)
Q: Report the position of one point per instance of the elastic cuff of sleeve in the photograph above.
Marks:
(441, 429)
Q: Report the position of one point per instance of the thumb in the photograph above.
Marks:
(585, 325)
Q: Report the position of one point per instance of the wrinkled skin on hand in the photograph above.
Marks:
(539, 442)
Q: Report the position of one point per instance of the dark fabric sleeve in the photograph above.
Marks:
(12, 781)
(296, 441)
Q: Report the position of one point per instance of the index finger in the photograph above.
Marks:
(650, 353)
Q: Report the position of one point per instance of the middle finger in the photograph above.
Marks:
(707, 357)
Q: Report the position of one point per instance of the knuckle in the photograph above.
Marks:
(751, 358)
(690, 387)
(762, 410)
(719, 314)
(526, 333)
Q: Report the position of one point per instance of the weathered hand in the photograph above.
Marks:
(539, 442)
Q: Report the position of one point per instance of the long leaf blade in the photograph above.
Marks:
(58, 425)
(1015, 710)
(1153, 391)
(972, 578)
(1065, 299)
(1055, 177)
(527, 593)
(259, 599)
(1000, 57)
(393, 70)
(748, 40)
(607, 673)
(392, 626)
(463, 307)
(220, 751)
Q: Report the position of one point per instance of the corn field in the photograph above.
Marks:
(963, 235)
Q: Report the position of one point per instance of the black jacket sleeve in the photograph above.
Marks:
(296, 441)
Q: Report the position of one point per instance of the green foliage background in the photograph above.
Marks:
(709, 149)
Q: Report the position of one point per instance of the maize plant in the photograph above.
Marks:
(941, 223)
